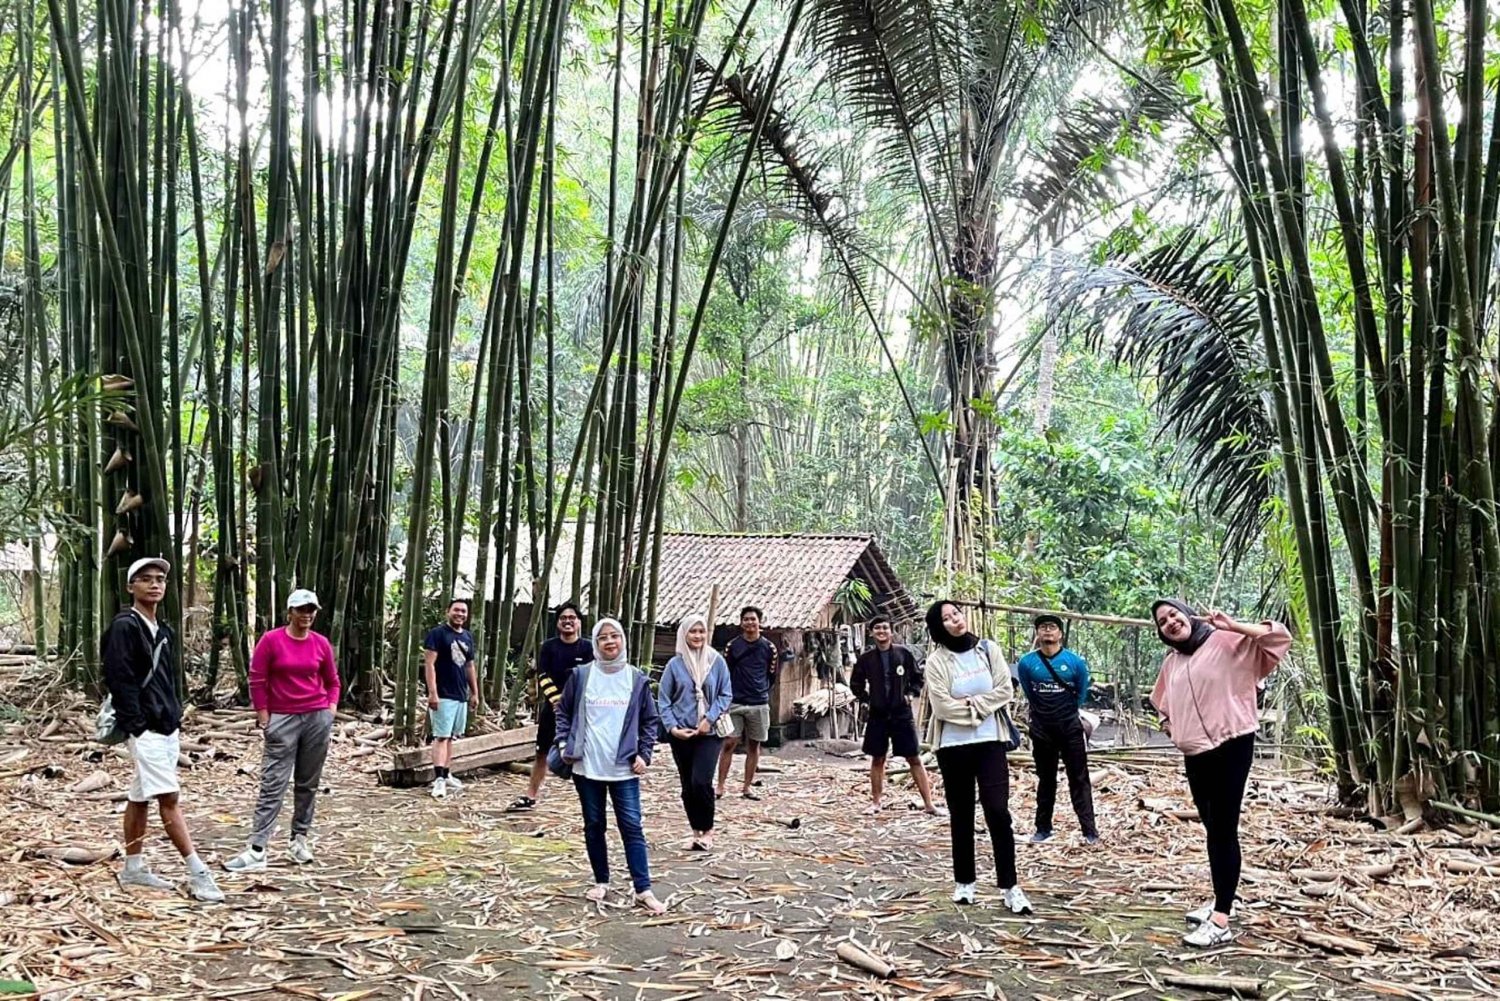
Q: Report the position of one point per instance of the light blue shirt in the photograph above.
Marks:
(971, 677)
(605, 704)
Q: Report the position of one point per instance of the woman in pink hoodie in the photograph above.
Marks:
(1206, 697)
(294, 687)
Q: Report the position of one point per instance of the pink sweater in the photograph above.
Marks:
(293, 676)
(1209, 698)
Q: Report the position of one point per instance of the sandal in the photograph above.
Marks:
(597, 893)
(521, 804)
(872, 809)
(650, 903)
(751, 795)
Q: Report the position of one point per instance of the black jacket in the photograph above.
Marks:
(126, 649)
(886, 695)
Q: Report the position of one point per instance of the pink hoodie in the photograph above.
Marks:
(293, 676)
(1210, 697)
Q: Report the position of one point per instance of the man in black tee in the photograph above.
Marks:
(452, 690)
(885, 678)
(752, 664)
(555, 662)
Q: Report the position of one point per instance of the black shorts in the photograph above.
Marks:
(885, 734)
(546, 727)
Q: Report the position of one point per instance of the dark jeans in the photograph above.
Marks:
(985, 766)
(1217, 779)
(627, 800)
(697, 765)
(1051, 739)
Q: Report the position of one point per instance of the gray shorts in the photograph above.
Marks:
(753, 722)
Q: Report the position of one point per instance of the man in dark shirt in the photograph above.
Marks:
(452, 690)
(137, 655)
(555, 662)
(885, 678)
(752, 665)
(1056, 683)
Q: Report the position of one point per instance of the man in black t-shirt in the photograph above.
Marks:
(886, 678)
(752, 664)
(555, 662)
(452, 689)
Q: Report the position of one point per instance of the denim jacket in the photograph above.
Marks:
(637, 737)
(677, 697)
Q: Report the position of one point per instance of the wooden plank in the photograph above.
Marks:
(463, 747)
(405, 778)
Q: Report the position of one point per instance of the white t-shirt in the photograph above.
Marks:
(606, 701)
(971, 676)
(151, 624)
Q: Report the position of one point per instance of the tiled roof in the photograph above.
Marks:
(791, 578)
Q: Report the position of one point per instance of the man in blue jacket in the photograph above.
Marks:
(1056, 683)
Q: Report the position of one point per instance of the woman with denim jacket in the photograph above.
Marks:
(693, 693)
(606, 727)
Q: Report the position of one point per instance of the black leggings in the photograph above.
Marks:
(697, 763)
(1051, 739)
(983, 765)
(1217, 779)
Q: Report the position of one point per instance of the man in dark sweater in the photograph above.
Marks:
(137, 654)
(554, 666)
(885, 678)
(752, 666)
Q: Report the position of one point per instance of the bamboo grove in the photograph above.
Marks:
(225, 273)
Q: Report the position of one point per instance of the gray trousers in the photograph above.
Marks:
(296, 745)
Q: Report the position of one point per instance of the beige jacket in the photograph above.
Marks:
(945, 708)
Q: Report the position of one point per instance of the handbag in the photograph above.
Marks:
(1010, 735)
(556, 763)
(106, 724)
(723, 726)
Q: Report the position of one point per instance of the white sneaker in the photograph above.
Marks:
(1207, 935)
(249, 860)
(963, 893)
(1015, 899)
(1202, 914)
(439, 789)
(301, 851)
(201, 886)
(143, 877)
(453, 784)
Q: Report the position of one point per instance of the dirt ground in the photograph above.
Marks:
(415, 898)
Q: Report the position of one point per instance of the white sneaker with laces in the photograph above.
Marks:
(963, 893)
(1202, 914)
(301, 851)
(453, 784)
(439, 789)
(143, 877)
(1208, 934)
(201, 886)
(1015, 899)
(249, 860)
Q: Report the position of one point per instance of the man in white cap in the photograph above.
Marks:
(137, 653)
(294, 687)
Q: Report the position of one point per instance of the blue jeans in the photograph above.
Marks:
(627, 798)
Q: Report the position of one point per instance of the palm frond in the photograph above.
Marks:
(1181, 316)
(1078, 165)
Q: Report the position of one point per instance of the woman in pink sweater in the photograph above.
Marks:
(294, 687)
(1206, 697)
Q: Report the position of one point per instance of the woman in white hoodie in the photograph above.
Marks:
(968, 687)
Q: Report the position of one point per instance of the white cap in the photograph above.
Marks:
(143, 563)
(301, 597)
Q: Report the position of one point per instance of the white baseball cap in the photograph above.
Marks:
(301, 598)
(143, 563)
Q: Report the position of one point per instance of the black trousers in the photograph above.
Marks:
(1217, 779)
(982, 766)
(697, 765)
(1053, 739)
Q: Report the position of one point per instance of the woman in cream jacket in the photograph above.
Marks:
(968, 684)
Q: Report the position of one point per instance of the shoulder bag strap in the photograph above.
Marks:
(1047, 662)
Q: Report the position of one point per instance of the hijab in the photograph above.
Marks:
(1201, 630)
(623, 658)
(696, 661)
(940, 634)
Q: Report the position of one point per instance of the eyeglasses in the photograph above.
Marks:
(305, 610)
(148, 579)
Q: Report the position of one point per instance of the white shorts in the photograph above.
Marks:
(155, 758)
